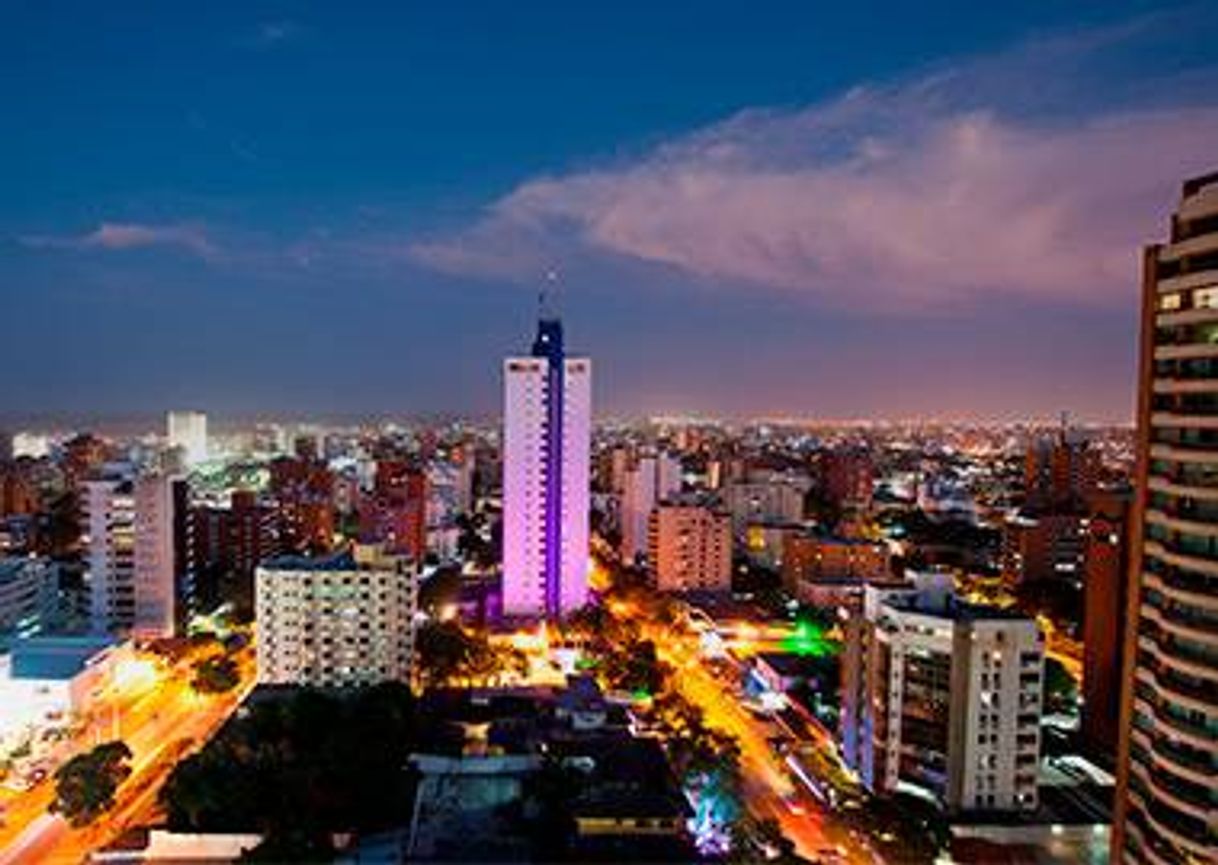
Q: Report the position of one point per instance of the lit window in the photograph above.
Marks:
(1205, 298)
(1169, 302)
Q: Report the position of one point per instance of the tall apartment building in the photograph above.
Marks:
(546, 441)
(187, 431)
(347, 619)
(1166, 800)
(652, 478)
(131, 530)
(224, 545)
(690, 548)
(158, 512)
(108, 533)
(944, 696)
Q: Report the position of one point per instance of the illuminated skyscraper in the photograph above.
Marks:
(1166, 805)
(188, 431)
(547, 419)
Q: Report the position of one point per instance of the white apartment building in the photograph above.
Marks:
(187, 430)
(129, 538)
(546, 440)
(653, 478)
(690, 548)
(943, 696)
(108, 533)
(340, 621)
(154, 575)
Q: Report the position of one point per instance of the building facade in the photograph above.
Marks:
(943, 696)
(132, 531)
(690, 548)
(1166, 799)
(187, 432)
(652, 478)
(546, 441)
(343, 620)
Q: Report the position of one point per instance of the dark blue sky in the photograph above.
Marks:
(338, 208)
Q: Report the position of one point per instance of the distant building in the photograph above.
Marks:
(160, 511)
(690, 548)
(847, 477)
(303, 491)
(778, 499)
(396, 512)
(1044, 547)
(225, 545)
(812, 561)
(187, 431)
(1166, 805)
(546, 440)
(347, 619)
(33, 445)
(651, 479)
(944, 696)
(1060, 472)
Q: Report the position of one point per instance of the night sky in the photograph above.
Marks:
(841, 210)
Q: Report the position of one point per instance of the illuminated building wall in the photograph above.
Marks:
(1166, 809)
(652, 479)
(344, 620)
(546, 440)
(188, 431)
(690, 548)
(945, 696)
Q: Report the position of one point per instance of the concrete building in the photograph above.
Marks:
(108, 533)
(1105, 598)
(690, 548)
(187, 431)
(1166, 805)
(1044, 547)
(651, 479)
(943, 696)
(27, 596)
(546, 440)
(812, 561)
(777, 499)
(159, 511)
(347, 619)
(130, 530)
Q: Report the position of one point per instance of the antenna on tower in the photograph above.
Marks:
(547, 307)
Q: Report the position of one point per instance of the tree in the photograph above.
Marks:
(86, 784)
(216, 675)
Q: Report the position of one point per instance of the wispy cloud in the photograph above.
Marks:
(948, 189)
(269, 34)
(118, 236)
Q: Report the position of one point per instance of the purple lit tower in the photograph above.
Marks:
(547, 419)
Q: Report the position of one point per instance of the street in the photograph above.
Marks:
(164, 724)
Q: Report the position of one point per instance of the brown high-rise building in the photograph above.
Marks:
(1105, 596)
(1167, 770)
(396, 513)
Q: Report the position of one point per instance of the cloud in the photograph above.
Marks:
(117, 236)
(270, 34)
(919, 195)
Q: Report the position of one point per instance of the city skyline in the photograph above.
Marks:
(273, 199)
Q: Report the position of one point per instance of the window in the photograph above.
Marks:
(1205, 298)
(1169, 302)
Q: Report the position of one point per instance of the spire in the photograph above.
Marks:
(549, 341)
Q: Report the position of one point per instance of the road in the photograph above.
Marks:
(164, 724)
(770, 792)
